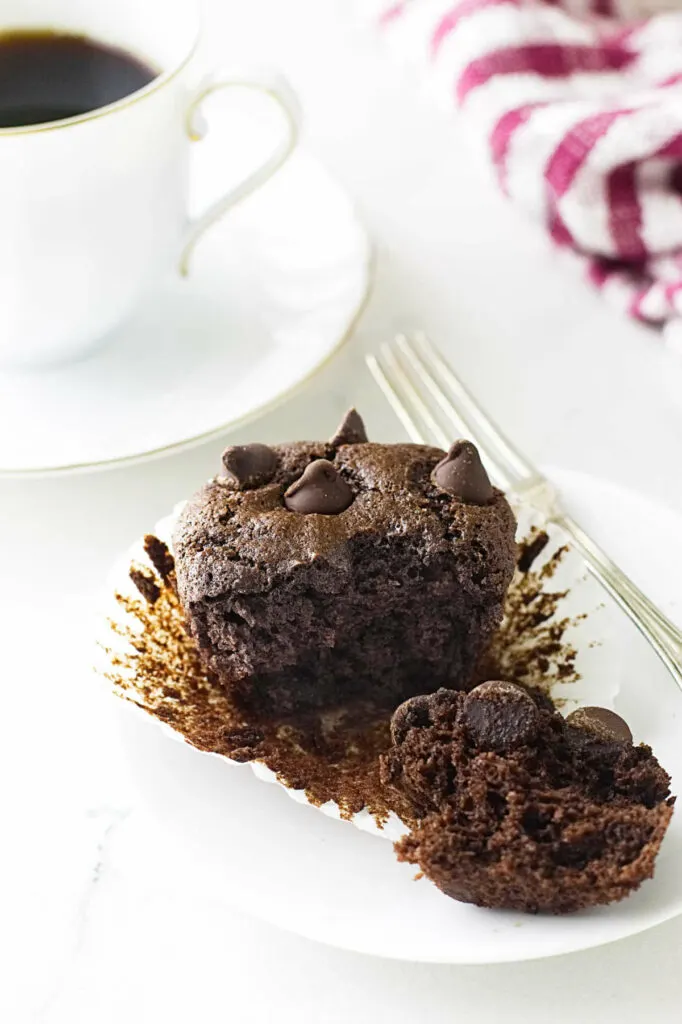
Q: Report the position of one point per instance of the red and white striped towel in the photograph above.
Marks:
(579, 106)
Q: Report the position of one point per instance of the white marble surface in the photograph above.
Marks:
(95, 924)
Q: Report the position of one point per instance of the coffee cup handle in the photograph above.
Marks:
(270, 84)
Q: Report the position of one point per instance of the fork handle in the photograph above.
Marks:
(662, 634)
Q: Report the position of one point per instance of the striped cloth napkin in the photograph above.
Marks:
(578, 104)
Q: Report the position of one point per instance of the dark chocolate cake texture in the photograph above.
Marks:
(519, 808)
(314, 573)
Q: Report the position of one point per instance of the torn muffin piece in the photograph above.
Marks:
(516, 807)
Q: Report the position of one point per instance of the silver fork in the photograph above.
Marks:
(422, 388)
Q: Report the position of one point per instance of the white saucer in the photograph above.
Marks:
(251, 847)
(273, 290)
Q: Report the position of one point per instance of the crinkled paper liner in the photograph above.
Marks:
(592, 632)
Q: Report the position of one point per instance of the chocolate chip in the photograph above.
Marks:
(500, 716)
(249, 465)
(462, 474)
(351, 430)
(320, 490)
(411, 714)
(146, 584)
(603, 724)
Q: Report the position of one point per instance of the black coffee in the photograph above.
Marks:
(47, 76)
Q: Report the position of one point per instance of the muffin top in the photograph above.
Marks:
(278, 507)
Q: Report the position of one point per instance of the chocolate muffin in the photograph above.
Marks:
(519, 808)
(315, 573)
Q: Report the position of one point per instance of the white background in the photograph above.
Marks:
(96, 929)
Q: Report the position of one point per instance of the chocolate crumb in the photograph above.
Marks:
(244, 742)
(530, 646)
(159, 555)
(146, 584)
(530, 549)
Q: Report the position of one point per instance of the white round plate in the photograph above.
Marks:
(273, 290)
(249, 845)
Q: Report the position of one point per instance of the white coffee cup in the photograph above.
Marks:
(93, 209)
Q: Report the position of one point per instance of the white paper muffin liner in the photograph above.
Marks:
(592, 631)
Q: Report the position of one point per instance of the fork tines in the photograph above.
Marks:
(434, 406)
